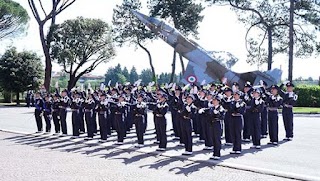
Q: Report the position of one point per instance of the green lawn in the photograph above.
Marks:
(306, 110)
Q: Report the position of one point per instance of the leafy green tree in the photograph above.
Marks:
(13, 18)
(125, 73)
(129, 30)
(43, 15)
(80, 45)
(146, 76)
(185, 16)
(268, 25)
(20, 71)
(134, 76)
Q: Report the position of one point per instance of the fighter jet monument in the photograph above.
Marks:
(201, 65)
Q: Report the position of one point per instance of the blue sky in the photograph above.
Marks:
(219, 31)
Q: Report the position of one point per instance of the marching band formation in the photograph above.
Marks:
(212, 112)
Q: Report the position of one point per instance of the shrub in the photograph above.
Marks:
(308, 95)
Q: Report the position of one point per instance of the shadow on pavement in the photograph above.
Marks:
(56, 143)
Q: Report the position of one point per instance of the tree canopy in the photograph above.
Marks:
(20, 71)
(13, 18)
(80, 45)
(129, 30)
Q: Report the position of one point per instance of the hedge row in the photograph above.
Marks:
(308, 95)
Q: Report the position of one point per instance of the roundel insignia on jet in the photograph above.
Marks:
(192, 79)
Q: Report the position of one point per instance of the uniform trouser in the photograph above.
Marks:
(264, 121)
(187, 134)
(63, 117)
(256, 128)
(56, 121)
(156, 127)
(174, 122)
(227, 131)
(94, 122)
(75, 123)
(120, 126)
(81, 118)
(287, 115)
(161, 128)
(246, 125)
(145, 124)
(179, 126)
(139, 121)
(112, 121)
(273, 125)
(37, 114)
(129, 120)
(103, 125)
(47, 118)
(195, 123)
(236, 128)
(203, 125)
(215, 130)
(89, 123)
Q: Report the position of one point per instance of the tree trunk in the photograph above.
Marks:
(71, 82)
(173, 67)
(18, 98)
(269, 31)
(291, 41)
(154, 77)
(182, 64)
(48, 69)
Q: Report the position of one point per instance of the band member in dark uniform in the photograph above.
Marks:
(47, 110)
(159, 112)
(256, 109)
(139, 116)
(119, 117)
(289, 100)
(247, 97)
(274, 102)
(216, 116)
(81, 112)
(238, 107)
(188, 109)
(226, 103)
(38, 103)
(56, 112)
(264, 113)
(102, 110)
(75, 108)
(89, 105)
(206, 103)
(64, 103)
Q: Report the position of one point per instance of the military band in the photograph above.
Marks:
(210, 113)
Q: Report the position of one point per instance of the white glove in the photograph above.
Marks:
(170, 85)
(215, 111)
(238, 105)
(291, 94)
(159, 106)
(109, 83)
(261, 82)
(246, 97)
(188, 108)
(166, 86)
(203, 82)
(191, 91)
(185, 87)
(134, 89)
(195, 90)
(173, 86)
(201, 111)
(257, 102)
(151, 84)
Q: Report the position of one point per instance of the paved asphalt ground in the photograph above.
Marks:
(38, 157)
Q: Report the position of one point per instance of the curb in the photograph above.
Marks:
(288, 175)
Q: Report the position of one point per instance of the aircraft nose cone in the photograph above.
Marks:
(143, 18)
